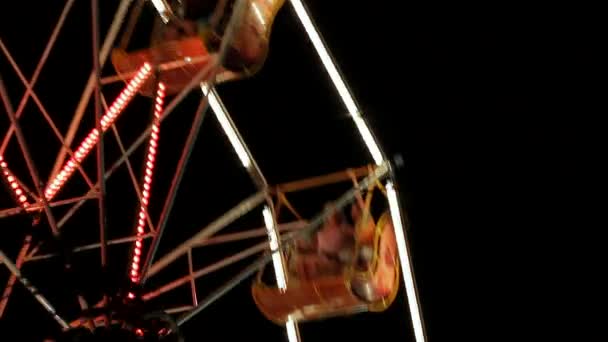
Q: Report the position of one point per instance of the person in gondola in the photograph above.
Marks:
(326, 252)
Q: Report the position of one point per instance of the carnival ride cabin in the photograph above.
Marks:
(188, 42)
(369, 282)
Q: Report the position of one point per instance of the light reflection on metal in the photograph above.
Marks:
(406, 266)
(277, 260)
(337, 80)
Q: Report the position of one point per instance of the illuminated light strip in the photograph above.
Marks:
(106, 121)
(279, 268)
(147, 183)
(163, 9)
(292, 331)
(331, 69)
(221, 116)
(277, 261)
(13, 184)
(406, 267)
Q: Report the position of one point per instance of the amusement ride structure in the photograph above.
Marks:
(196, 45)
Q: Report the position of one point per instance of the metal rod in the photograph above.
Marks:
(84, 306)
(121, 12)
(258, 232)
(175, 183)
(178, 309)
(44, 112)
(41, 62)
(88, 247)
(192, 281)
(55, 130)
(121, 147)
(11, 281)
(215, 226)
(100, 145)
(161, 67)
(101, 190)
(207, 270)
(278, 260)
(254, 170)
(36, 206)
(45, 303)
(287, 204)
(26, 155)
(135, 12)
(340, 203)
(313, 182)
(407, 270)
(337, 79)
(218, 293)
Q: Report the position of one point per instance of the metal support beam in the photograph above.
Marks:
(327, 179)
(252, 233)
(43, 111)
(119, 16)
(175, 183)
(35, 207)
(26, 155)
(215, 226)
(41, 62)
(92, 246)
(407, 270)
(101, 193)
(11, 281)
(236, 140)
(207, 270)
(338, 81)
(39, 297)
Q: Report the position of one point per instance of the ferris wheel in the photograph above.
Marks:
(350, 257)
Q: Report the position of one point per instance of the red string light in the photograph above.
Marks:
(147, 182)
(13, 184)
(106, 121)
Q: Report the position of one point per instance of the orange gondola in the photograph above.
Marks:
(372, 286)
(190, 44)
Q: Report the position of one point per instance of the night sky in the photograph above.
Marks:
(454, 91)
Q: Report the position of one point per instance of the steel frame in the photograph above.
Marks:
(275, 197)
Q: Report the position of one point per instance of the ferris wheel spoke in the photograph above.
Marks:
(33, 257)
(206, 270)
(242, 235)
(101, 199)
(128, 31)
(218, 224)
(192, 281)
(175, 183)
(21, 257)
(26, 155)
(51, 123)
(235, 138)
(119, 16)
(29, 90)
(41, 62)
(26, 283)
